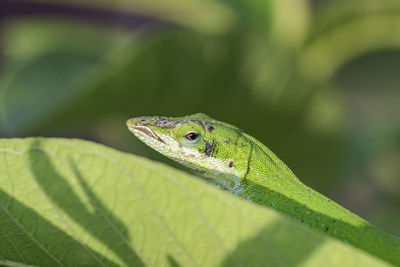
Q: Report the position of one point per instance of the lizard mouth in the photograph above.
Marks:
(147, 131)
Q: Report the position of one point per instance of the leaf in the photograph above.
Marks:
(75, 203)
(60, 71)
(207, 16)
(374, 24)
(64, 60)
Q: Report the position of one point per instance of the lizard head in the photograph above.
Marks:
(215, 149)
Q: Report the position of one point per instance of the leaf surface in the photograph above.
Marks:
(74, 203)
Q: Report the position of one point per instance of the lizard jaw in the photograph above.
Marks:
(147, 131)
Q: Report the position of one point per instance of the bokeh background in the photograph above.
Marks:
(317, 81)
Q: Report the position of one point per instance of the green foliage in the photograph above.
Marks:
(75, 203)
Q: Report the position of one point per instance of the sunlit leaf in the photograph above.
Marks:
(75, 203)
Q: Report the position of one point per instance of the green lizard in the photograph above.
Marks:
(235, 161)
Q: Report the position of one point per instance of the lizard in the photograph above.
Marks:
(235, 161)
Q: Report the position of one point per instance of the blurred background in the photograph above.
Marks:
(316, 81)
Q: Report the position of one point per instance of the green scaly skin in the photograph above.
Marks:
(235, 161)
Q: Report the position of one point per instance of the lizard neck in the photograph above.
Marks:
(273, 182)
(265, 165)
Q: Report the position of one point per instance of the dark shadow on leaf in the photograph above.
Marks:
(28, 237)
(172, 262)
(273, 246)
(100, 223)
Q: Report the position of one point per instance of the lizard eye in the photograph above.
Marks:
(192, 136)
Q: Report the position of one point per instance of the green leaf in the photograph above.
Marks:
(207, 16)
(75, 203)
(374, 24)
(46, 59)
(64, 59)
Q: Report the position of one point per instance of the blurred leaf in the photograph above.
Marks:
(70, 202)
(346, 29)
(207, 16)
(65, 69)
(62, 61)
(342, 31)
(47, 68)
(326, 112)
